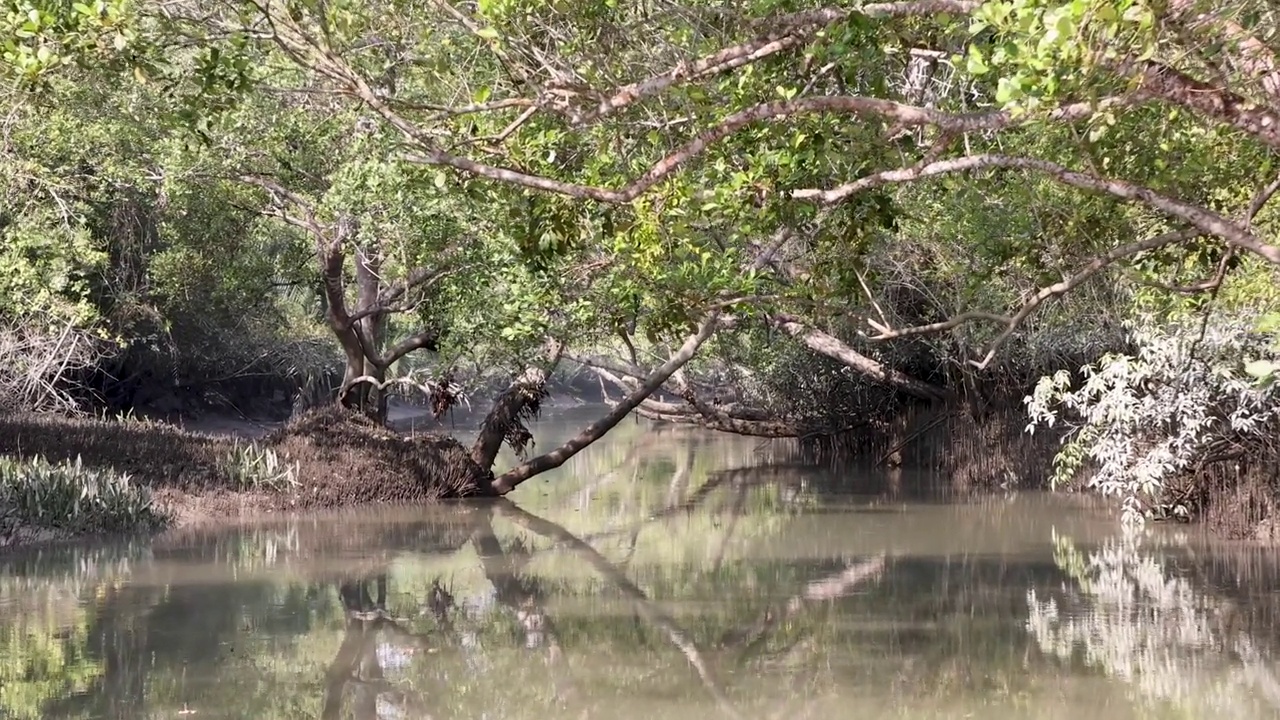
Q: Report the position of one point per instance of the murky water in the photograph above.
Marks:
(668, 574)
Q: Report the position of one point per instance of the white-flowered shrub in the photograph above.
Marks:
(1190, 395)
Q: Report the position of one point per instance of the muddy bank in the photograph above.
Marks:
(327, 458)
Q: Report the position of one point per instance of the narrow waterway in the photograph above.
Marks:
(660, 574)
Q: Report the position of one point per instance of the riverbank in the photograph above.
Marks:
(218, 468)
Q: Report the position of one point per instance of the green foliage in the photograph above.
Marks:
(1047, 50)
(47, 275)
(70, 496)
(251, 466)
(42, 662)
(39, 37)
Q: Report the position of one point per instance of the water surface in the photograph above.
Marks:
(661, 574)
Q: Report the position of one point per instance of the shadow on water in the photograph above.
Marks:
(694, 577)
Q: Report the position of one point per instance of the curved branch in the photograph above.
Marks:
(1207, 221)
(902, 115)
(788, 32)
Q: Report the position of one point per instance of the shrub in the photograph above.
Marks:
(251, 466)
(1191, 396)
(37, 365)
(71, 496)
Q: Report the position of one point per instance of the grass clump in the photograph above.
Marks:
(253, 467)
(71, 496)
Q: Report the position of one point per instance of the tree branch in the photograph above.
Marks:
(424, 340)
(1207, 221)
(831, 347)
(1249, 54)
(732, 418)
(1049, 292)
(787, 32)
(1210, 100)
(903, 115)
(1094, 267)
(508, 481)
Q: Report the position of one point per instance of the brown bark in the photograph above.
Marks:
(505, 420)
(361, 334)
(831, 347)
(731, 418)
(1211, 101)
(1207, 221)
(1249, 55)
(369, 398)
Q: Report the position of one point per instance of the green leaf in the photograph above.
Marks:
(975, 63)
(482, 94)
(441, 179)
(1268, 323)
(487, 33)
(1006, 91)
(1261, 369)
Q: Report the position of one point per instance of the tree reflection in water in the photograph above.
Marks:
(733, 603)
(1128, 612)
(372, 669)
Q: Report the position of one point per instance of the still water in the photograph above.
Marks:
(660, 574)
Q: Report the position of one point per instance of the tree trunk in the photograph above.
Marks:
(505, 419)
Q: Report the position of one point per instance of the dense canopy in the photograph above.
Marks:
(789, 219)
